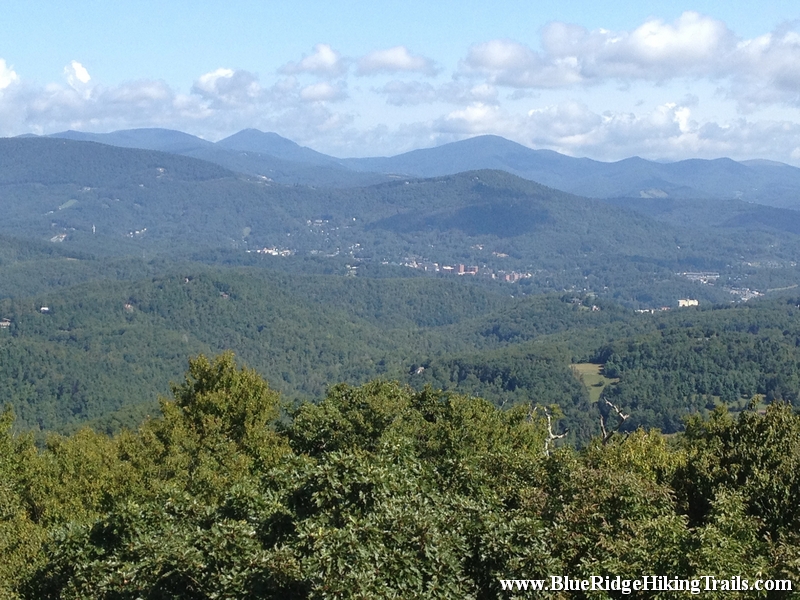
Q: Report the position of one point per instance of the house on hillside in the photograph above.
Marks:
(5, 323)
(688, 302)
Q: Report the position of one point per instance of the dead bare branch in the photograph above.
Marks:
(607, 435)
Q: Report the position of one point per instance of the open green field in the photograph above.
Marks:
(591, 375)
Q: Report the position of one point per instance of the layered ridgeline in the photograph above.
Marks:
(119, 201)
(259, 153)
(251, 152)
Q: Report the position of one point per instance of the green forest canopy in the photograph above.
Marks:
(381, 491)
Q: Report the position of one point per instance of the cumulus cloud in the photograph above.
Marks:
(693, 45)
(7, 75)
(76, 74)
(503, 87)
(766, 69)
(220, 102)
(667, 131)
(394, 60)
(752, 71)
(509, 63)
(323, 61)
(228, 87)
(476, 119)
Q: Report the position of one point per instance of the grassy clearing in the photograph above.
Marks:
(591, 375)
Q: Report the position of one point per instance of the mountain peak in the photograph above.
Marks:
(272, 144)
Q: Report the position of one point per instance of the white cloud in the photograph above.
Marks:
(76, 74)
(324, 61)
(228, 87)
(323, 92)
(508, 63)
(393, 60)
(754, 72)
(552, 94)
(666, 131)
(458, 93)
(766, 69)
(693, 45)
(7, 75)
(476, 119)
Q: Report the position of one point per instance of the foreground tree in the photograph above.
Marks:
(381, 491)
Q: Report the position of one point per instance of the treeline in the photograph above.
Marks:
(380, 491)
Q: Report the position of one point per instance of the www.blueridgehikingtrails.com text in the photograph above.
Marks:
(649, 583)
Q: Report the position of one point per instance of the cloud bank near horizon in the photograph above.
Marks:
(571, 93)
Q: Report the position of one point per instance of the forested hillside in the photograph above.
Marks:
(379, 491)
(106, 201)
(88, 351)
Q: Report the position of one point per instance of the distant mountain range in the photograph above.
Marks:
(97, 199)
(250, 152)
(269, 155)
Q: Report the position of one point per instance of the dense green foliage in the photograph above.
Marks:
(707, 357)
(105, 349)
(379, 491)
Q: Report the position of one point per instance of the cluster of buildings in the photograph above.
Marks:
(682, 303)
(461, 269)
(274, 251)
(744, 294)
(708, 277)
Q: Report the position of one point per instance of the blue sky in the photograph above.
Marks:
(352, 78)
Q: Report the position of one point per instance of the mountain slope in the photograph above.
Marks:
(269, 155)
(106, 201)
(632, 177)
(272, 144)
(250, 152)
(163, 140)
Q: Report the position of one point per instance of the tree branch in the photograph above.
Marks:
(621, 415)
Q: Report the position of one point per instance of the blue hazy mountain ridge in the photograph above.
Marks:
(263, 155)
(60, 185)
(268, 154)
(712, 213)
(754, 181)
(59, 161)
(163, 140)
(272, 144)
